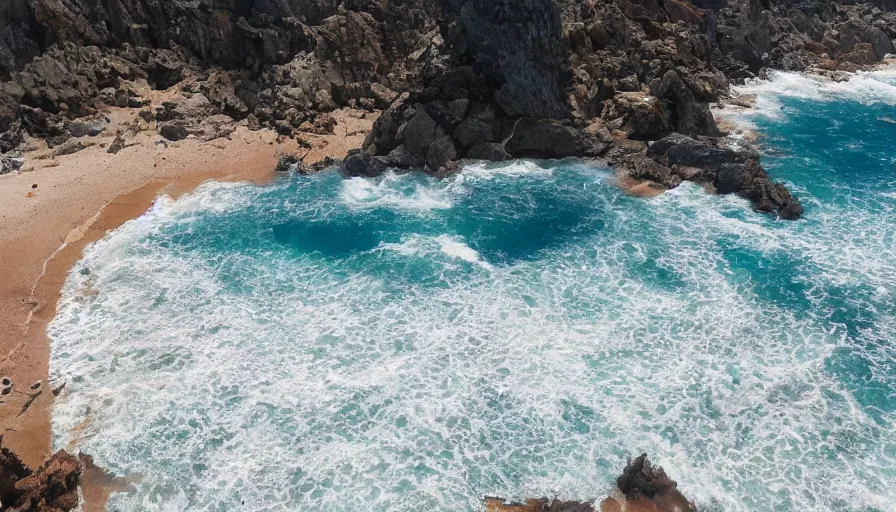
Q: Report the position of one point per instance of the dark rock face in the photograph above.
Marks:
(11, 471)
(52, 488)
(641, 478)
(686, 114)
(729, 171)
(516, 46)
(547, 138)
(489, 79)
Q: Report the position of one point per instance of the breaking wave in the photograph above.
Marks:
(404, 343)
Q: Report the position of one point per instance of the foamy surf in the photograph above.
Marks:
(520, 330)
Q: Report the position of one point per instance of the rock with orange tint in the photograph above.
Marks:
(52, 488)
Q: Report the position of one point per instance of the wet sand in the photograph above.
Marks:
(78, 198)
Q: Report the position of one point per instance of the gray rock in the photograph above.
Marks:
(421, 131)
(545, 139)
(173, 132)
(491, 151)
(69, 147)
(686, 115)
(85, 129)
(9, 164)
(441, 151)
(364, 165)
(472, 131)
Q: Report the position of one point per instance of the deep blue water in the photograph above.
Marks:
(518, 330)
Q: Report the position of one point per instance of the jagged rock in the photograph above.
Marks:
(641, 478)
(323, 124)
(441, 152)
(12, 469)
(383, 137)
(427, 141)
(8, 164)
(194, 108)
(285, 163)
(518, 48)
(685, 114)
(731, 172)
(644, 168)
(382, 94)
(474, 68)
(639, 115)
(53, 487)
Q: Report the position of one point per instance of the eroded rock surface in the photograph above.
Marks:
(52, 488)
(483, 79)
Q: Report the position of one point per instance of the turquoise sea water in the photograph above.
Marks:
(404, 344)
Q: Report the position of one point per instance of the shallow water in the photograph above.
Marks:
(408, 344)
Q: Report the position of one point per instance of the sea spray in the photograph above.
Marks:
(519, 329)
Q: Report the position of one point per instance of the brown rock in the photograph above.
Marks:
(52, 488)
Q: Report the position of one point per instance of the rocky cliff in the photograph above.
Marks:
(483, 79)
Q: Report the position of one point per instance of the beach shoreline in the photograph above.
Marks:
(63, 203)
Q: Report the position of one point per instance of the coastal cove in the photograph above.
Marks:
(52, 213)
(448, 255)
(517, 329)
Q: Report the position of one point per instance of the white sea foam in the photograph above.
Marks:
(869, 88)
(405, 191)
(291, 382)
(426, 246)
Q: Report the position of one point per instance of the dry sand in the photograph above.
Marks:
(51, 212)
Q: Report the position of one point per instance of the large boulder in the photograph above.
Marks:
(641, 116)
(550, 139)
(364, 165)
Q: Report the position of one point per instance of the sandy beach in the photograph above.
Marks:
(59, 204)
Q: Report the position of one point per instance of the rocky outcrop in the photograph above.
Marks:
(642, 487)
(517, 50)
(727, 170)
(641, 478)
(52, 488)
(479, 79)
(280, 64)
(795, 36)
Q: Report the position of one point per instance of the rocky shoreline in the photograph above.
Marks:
(458, 79)
(627, 81)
